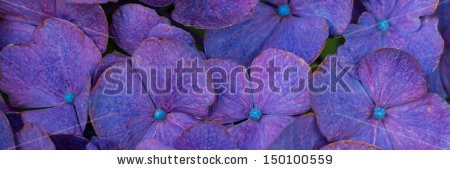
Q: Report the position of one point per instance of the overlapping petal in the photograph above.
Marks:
(33, 137)
(303, 31)
(338, 14)
(63, 119)
(206, 136)
(302, 134)
(3, 106)
(392, 77)
(425, 44)
(443, 12)
(108, 61)
(15, 33)
(355, 47)
(170, 86)
(435, 83)
(120, 110)
(207, 14)
(81, 105)
(260, 134)
(133, 23)
(422, 124)
(243, 41)
(302, 36)
(69, 142)
(6, 135)
(358, 9)
(89, 18)
(16, 73)
(414, 8)
(168, 130)
(233, 102)
(51, 68)
(56, 120)
(445, 71)
(165, 30)
(380, 8)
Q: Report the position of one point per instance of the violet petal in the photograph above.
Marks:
(287, 93)
(206, 136)
(242, 42)
(207, 14)
(6, 135)
(302, 134)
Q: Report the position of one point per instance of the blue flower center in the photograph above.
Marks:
(383, 25)
(284, 10)
(69, 98)
(159, 114)
(255, 114)
(379, 113)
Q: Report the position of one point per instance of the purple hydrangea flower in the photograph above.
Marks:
(89, 18)
(133, 23)
(395, 24)
(297, 26)
(388, 106)
(6, 135)
(264, 111)
(350, 145)
(302, 134)
(207, 14)
(51, 77)
(445, 72)
(206, 136)
(149, 107)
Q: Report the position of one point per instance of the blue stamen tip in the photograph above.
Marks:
(284, 10)
(69, 98)
(379, 113)
(255, 114)
(159, 114)
(383, 25)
